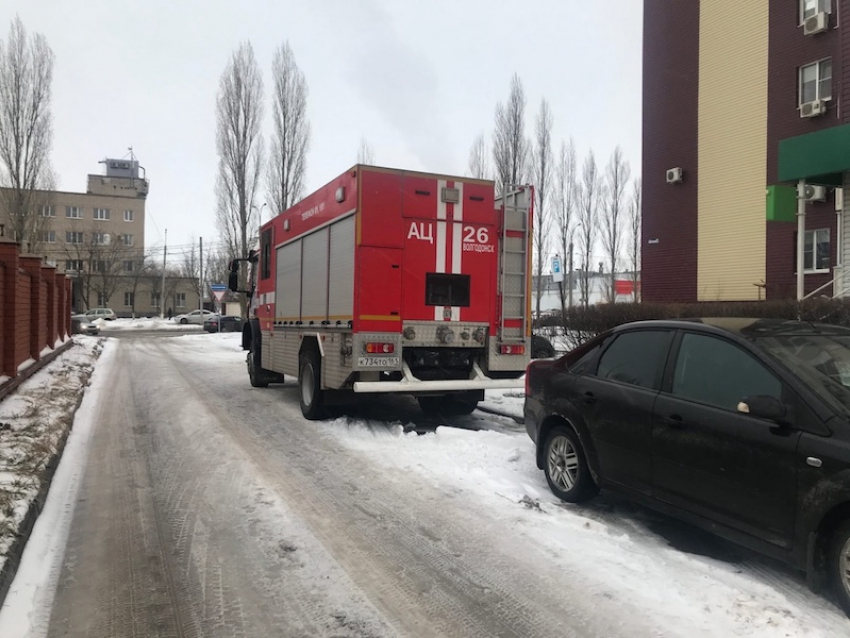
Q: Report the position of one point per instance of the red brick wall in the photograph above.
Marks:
(670, 129)
(788, 50)
(23, 301)
(34, 307)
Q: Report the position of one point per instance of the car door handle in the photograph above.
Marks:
(589, 398)
(674, 421)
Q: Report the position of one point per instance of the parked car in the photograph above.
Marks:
(740, 426)
(227, 323)
(541, 347)
(196, 316)
(100, 313)
(81, 324)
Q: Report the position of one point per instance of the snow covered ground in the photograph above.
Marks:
(154, 323)
(681, 579)
(33, 420)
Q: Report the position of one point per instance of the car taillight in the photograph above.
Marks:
(374, 347)
(512, 349)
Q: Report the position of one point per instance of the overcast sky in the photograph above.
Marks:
(418, 79)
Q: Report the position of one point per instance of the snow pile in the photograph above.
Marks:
(33, 421)
(607, 539)
(154, 323)
(506, 402)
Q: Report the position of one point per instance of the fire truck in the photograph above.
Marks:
(392, 281)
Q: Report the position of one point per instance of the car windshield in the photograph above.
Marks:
(822, 362)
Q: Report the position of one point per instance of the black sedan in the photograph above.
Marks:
(740, 426)
(227, 323)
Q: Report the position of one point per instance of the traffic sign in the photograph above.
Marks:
(218, 291)
(557, 271)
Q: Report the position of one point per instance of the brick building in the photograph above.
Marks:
(98, 239)
(742, 103)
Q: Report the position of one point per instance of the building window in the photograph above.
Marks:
(73, 264)
(128, 266)
(73, 237)
(47, 211)
(101, 213)
(73, 212)
(127, 239)
(129, 299)
(809, 8)
(816, 81)
(102, 300)
(816, 251)
(180, 300)
(100, 239)
(99, 266)
(128, 215)
(155, 299)
(48, 236)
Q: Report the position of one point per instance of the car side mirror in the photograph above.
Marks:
(763, 407)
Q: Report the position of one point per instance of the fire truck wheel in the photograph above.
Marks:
(254, 373)
(309, 386)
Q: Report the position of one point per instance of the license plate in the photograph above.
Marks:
(377, 362)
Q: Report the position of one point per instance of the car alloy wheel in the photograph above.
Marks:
(839, 565)
(565, 466)
(563, 463)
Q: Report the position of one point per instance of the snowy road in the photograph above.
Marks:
(210, 508)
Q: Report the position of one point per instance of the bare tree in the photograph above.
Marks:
(617, 177)
(588, 204)
(291, 138)
(365, 153)
(239, 114)
(479, 162)
(190, 267)
(541, 170)
(141, 265)
(634, 221)
(510, 146)
(565, 200)
(26, 130)
(97, 259)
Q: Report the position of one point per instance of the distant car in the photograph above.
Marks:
(101, 313)
(228, 323)
(196, 316)
(739, 426)
(81, 324)
(541, 348)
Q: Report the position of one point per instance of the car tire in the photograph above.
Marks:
(838, 565)
(184, 321)
(565, 465)
(255, 373)
(310, 386)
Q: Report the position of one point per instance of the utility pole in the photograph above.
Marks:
(162, 290)
(201, 278)
(570, 276)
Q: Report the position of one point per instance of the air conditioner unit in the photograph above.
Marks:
(674, 175)
(813, 193)
(813, 109)
(816, 24)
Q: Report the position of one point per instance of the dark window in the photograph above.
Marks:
(266, 255)
(581, 360)
(636, 358)
(446, 290)
(720, 373)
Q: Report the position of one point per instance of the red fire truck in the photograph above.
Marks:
(388, 281)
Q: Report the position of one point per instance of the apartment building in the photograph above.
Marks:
(745, 105)
(98, 238)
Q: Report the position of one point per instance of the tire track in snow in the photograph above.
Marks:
(456, 586)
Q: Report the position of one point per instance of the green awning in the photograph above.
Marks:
(819, 158)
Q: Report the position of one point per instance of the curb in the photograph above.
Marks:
(507, 415)
(22, 535)
(10, 386)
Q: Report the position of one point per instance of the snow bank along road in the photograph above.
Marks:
(205, 507)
